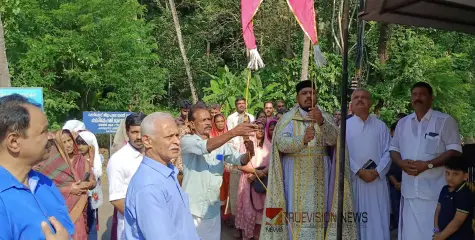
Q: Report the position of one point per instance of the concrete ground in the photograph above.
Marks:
(106, 210)
(105, 214)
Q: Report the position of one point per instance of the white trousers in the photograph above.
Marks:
(208, 229)
(416, 219)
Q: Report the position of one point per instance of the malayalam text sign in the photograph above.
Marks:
(103, 122)
(35, 95)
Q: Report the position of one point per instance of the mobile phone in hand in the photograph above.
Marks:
(370, 164)
(86, 177)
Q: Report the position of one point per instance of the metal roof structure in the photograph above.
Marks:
(451, 15)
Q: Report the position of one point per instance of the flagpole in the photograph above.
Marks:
(359, 49)
(344, 106)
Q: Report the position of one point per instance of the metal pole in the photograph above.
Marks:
(344, 100)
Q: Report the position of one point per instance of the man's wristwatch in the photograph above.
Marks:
(435, 230)
(430, 165)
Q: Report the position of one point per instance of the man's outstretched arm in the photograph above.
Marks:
(204, 146)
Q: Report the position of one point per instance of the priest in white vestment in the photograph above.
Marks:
(422, 143)
(368, 139)
(302, 180)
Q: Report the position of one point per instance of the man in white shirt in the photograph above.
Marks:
(233, 120)
(368, 139)
(280, 104)
(203, 166)
(269, 109)
(123, 165)
(238, 145)
(422, 143)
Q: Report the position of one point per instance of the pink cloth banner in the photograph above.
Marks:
(304, 12)
(248, 10)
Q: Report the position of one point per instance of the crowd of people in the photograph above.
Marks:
(269, 176)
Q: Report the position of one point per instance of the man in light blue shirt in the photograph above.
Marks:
(31, 206)
(203, 168)
(155, 205)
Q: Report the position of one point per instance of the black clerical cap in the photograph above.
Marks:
(303, 84)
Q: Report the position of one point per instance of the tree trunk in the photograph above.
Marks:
(359, 48)
(305, 56)
(288, 44)
(384, 35)
(4, 74)
(384, 32)
(176, 22)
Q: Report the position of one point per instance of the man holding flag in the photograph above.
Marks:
(301, 200)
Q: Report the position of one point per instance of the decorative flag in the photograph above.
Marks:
(248, 10)
(304, 12)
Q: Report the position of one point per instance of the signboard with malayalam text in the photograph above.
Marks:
(103, 122)
(35, 95)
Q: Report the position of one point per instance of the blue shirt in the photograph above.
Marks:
(155, 205)
(203, 174)
(460, 200)
(22, 209)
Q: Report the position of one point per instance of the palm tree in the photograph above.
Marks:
(176, 22)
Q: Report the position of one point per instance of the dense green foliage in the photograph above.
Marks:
(107, 55)
(86, 54)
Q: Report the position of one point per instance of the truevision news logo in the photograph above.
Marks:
(275, 218)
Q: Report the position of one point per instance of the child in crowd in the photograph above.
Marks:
(454, 213)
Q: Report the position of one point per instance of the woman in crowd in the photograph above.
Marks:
(74, 126)
(250, 204)
(73, 175)
(270, 131)
(219, 127)
(244, 119)
(89, 148)
(261, 116)
(236, 174)
(183, 129)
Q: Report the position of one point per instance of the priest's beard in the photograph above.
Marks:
(305, 109)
